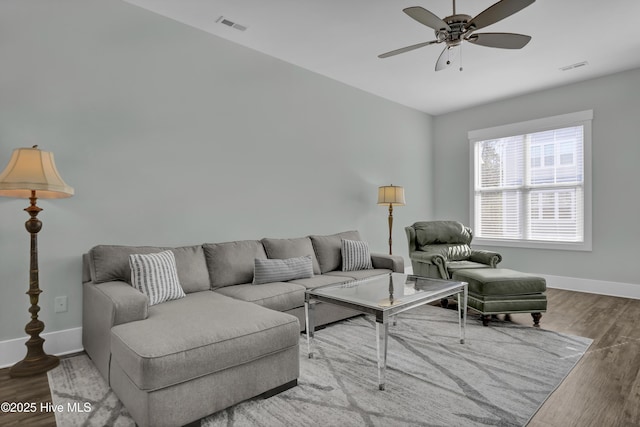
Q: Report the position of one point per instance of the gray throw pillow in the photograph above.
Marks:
(291, 248)
(156, 276)
(355, 255)
(282, 270)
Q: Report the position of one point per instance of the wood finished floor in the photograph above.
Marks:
(602, 390)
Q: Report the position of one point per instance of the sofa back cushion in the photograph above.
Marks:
(439, 232)
(291, 248)
(231, 263)
(327, 249)
(111, 262)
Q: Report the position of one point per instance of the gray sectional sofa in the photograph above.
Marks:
(226, 341)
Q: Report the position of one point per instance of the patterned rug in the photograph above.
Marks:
(499, 377)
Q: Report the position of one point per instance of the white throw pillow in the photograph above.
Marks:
(355, 255)
(156, 276)
(281, 270)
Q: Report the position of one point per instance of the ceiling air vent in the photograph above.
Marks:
(573, 66)
(224, 21)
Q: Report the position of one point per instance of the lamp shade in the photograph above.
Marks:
(391, 194)
(31, 169)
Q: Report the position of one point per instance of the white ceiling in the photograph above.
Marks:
(341, 39)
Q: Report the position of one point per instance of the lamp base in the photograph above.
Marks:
(34, 366)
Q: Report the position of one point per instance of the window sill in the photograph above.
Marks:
(534, 244)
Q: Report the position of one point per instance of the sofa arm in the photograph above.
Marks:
(485, 257)
(105, 305)
(394, 263)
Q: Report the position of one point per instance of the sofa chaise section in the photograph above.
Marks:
(213, 341)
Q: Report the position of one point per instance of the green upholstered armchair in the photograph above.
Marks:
(438, 248)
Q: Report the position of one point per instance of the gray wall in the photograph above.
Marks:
(171, 136)
(615, 101)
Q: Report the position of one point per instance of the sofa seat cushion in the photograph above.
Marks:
(204, 332)
(322, 280)
(360, 274)
(500, 281)
(280, 296)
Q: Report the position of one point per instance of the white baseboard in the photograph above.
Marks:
(57, 342)
(601, 287)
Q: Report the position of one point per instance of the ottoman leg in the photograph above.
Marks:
(536, 319)
(485, 319)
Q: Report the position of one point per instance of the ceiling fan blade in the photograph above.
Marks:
(501, 40)
(448, 56)
(427, 18)
(406, 49)
(496, 12)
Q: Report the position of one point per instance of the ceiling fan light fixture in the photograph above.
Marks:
(441, 35)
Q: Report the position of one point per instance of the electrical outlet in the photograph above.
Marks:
(60, 304)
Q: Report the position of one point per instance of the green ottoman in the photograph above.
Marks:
(500, 290)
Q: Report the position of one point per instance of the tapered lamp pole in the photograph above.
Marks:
(391, 195)
(32, 173)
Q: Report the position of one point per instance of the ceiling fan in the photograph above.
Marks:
(452, 30)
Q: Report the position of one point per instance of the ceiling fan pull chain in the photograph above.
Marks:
(460, 58)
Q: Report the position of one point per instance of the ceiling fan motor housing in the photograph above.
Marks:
(457, 29)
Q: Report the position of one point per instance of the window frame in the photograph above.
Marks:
(580, 118)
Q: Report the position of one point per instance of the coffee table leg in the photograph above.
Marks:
(310, 326)
(382, 331)
(462, 313)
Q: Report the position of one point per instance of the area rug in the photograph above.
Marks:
(499, 377)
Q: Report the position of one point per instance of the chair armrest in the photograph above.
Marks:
(431, 257)
(485, 257)
(394, 263)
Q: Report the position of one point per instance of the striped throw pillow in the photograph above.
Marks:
(355, 255)
(282, 270)
(156, 276)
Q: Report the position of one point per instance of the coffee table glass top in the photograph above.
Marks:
(387, 291)
(384, 296)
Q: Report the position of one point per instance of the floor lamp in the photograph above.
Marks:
(391, 195)
(32, 173)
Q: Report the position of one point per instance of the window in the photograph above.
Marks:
(531, 183)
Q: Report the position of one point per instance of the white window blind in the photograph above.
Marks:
(530, 183)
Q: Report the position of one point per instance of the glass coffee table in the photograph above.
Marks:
(385, 296)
